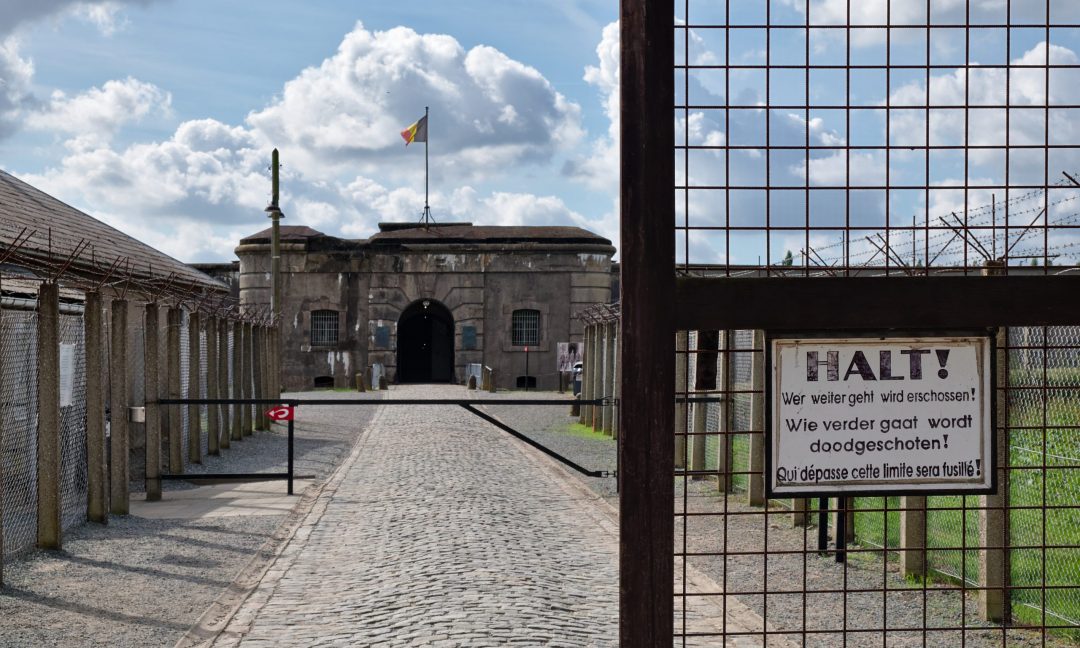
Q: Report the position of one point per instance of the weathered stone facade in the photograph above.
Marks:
(426, 301)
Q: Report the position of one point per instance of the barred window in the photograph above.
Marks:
(324, 327)
(525, 327)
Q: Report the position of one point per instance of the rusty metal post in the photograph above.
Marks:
(172, 353)
(119, 396)
(646, 503)
(97, 464)
(48, 411)
(194, 389)
(151, 388)
(213, 429)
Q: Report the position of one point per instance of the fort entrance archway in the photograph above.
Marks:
(425, 348)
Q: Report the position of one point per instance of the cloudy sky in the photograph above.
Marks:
(158, 116)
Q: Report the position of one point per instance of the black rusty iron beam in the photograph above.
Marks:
(936, 302)
(296, 402)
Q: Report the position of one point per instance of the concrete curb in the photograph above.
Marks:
(223, 624)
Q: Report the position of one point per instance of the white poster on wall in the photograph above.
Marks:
(569, 354)
(67, 374)
(880, 415)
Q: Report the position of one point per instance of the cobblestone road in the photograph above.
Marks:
(440, 530)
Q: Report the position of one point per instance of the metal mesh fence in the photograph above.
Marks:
(203, 409)
(185, 375)
(18, 415)
(73, 480)
(232, 382)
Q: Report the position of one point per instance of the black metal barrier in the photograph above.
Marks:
(468, 405)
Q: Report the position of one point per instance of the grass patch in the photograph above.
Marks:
(584, 432)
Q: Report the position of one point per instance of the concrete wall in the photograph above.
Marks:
(480, 284)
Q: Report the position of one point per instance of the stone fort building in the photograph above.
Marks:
(425, 301)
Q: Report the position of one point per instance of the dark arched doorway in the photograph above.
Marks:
(425, 343)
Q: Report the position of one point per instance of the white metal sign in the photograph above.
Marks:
(888, 415)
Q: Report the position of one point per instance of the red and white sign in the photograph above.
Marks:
(281, 413)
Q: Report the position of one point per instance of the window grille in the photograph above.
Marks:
(324, 327)
(525, 327)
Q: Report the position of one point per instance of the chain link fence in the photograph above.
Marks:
(18, 415)
(73, 479)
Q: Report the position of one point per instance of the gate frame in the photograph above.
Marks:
(655, 304)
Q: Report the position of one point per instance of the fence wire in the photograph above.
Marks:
(73, 480)
(18, 434)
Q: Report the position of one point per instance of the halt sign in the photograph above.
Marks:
(880, 415)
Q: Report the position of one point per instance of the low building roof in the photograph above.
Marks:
(60, 228)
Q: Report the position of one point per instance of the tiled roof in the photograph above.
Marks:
(24, 206)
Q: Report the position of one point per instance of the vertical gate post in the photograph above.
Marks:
(993, 530)
(609, 377)
(246, 385)
(258, 367)
(647, 220)
(681, 346)
(237, 425)
(152, 392)
(222, 370)
(212, 426)
(756, 479)
(194, 389)
(586, 384)
(97, 467)
(176, 435)
(704, 382)
(912, 536)
(723, 452)
(48, 410)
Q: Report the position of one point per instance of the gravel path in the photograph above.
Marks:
(746, 532)
(139, 582)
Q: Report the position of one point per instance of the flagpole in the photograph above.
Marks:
(427, 207)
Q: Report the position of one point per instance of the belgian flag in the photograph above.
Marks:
(417, 132)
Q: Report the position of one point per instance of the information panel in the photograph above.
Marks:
(888, 415)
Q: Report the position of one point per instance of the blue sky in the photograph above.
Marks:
(158, 116)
